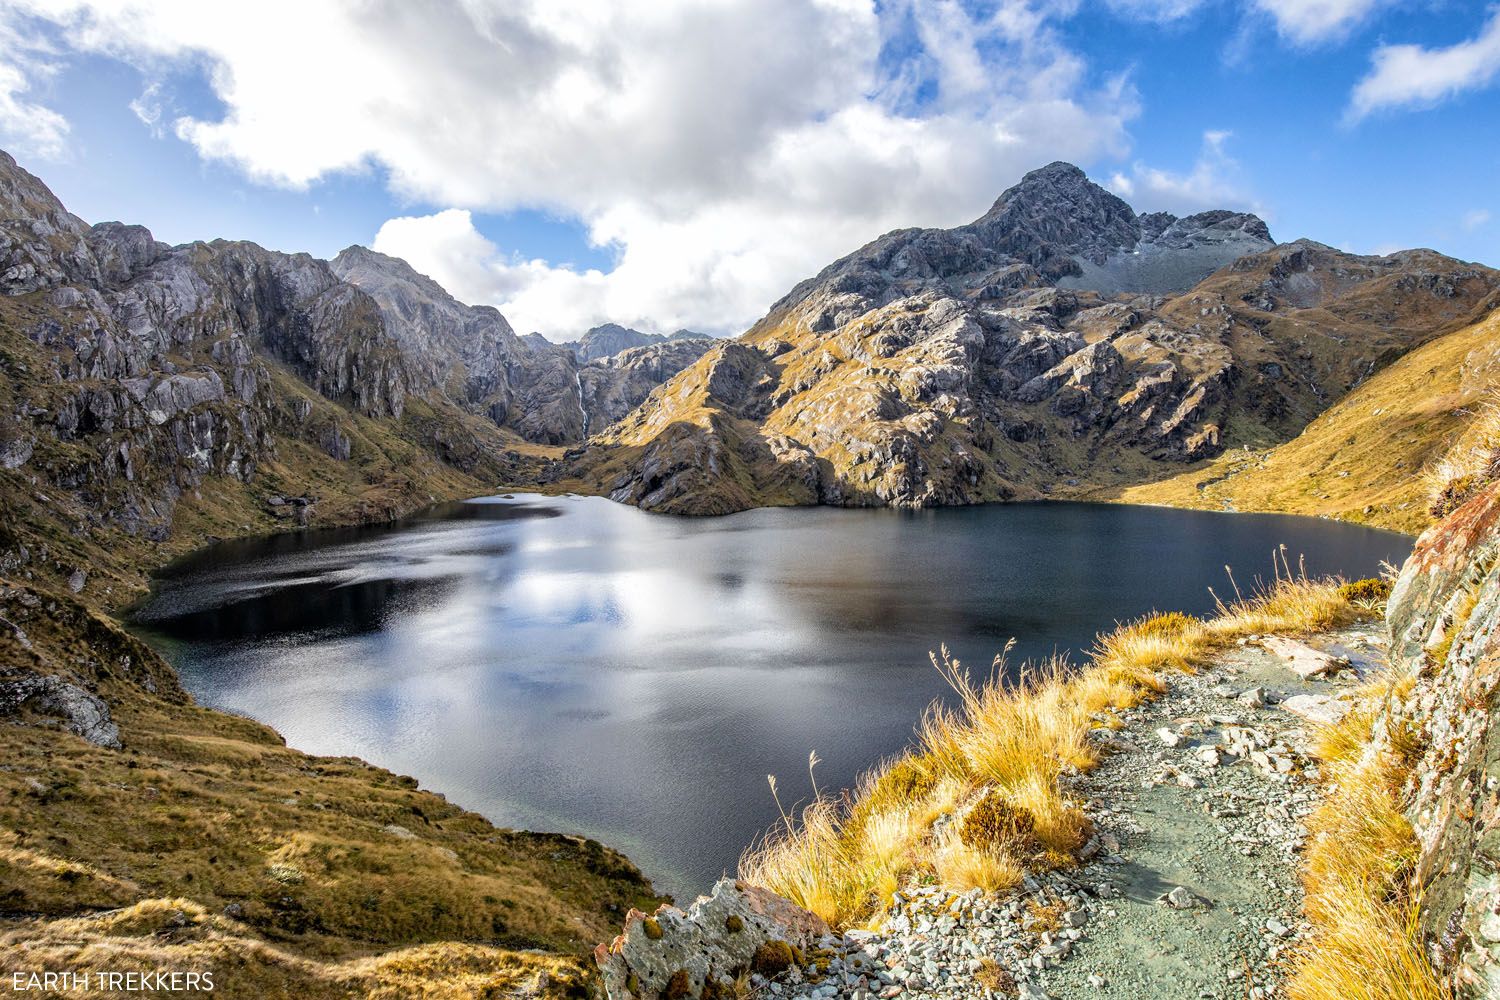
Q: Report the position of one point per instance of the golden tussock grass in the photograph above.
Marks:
(1002, 748)
(1470, 463)
(180, 934)
(1365, 944)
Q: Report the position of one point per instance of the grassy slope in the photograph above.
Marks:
(1362, 459)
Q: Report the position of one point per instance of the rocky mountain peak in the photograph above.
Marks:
(24, 196)
(1056, 211)
(609, 339)
(368, 268)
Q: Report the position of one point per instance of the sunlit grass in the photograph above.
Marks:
(1365, 944)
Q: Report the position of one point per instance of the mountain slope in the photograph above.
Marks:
(1365, 457)
(998, 360)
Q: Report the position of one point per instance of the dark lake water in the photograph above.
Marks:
(572, 664)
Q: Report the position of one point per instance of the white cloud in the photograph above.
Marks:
(1403, 76)
(728, 149)
(1156, 11)
(1307, 22)
(1475, 218)
(26, 125)
(1213, 182)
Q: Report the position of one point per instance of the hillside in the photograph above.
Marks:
(154, 398)
(1002, 360)
(1365, 458)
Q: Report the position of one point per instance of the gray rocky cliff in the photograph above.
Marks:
(1444, 615)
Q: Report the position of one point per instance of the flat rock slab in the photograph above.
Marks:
(1318, 708)
(1302, 659)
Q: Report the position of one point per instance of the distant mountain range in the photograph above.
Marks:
(1059, 345)
(611, 338)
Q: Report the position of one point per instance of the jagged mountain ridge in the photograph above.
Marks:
(546, 392)
(139, 375)
(609, 339)
(999, 360)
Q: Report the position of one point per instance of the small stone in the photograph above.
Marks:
(1169, 737)
(1180, 898)
(1253, 697)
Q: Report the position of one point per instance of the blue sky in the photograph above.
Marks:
(682, 164)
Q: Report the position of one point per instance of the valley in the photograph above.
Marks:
(159, 399)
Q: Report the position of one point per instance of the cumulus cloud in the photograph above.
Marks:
(1307, 22)
(725, 149)
(1404, 76)
(1213, 182)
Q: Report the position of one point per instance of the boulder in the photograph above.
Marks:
(716, 939)
(1318, 708)
(1300, 658)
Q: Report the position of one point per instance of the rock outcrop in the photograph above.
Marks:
(1058, 344)
(701, 951)
(1443, 614)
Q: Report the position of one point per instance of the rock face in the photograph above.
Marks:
(548, 393)
(1443, 613)
(1058, 343)
(469, 353)
(722, 935)
(136, 370)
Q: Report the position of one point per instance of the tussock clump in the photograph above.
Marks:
(1470, 464)
(995, 977)
(1168, 624)
(993, 823)
(774, 958)
(1355, 876)
(679, 987)
(1004, 746)
(1369, 591)
(906, 779)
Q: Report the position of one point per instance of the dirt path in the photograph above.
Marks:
(1228, 833)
